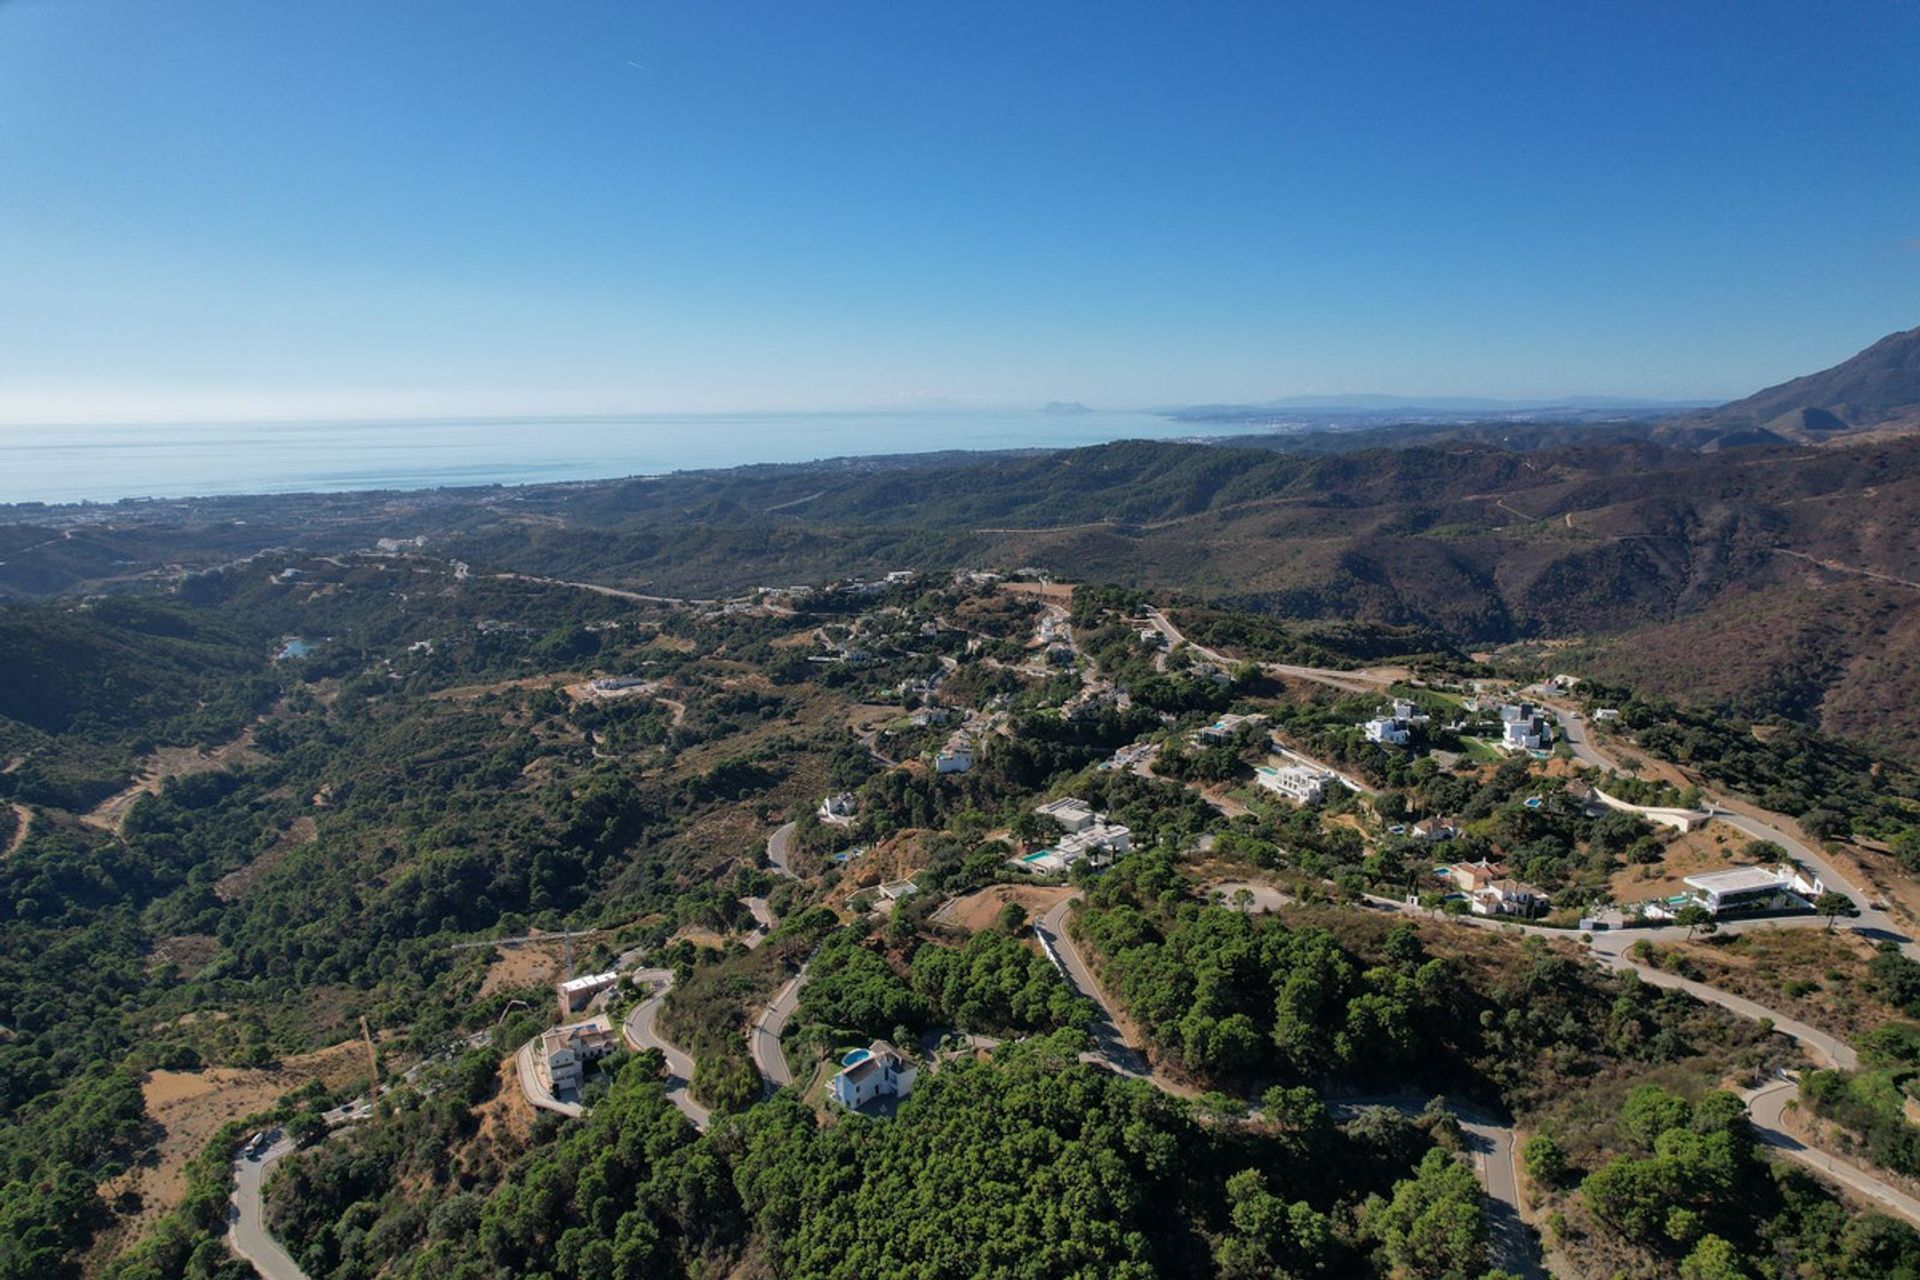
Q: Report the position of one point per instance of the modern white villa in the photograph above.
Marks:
(1395, 728)
(1301, 783)
(1523, 728)
(1753, 889)
(1090, 836)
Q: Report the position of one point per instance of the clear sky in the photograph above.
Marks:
(317, 209)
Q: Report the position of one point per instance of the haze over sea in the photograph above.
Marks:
(106, 463)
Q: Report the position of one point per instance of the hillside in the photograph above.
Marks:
(1878, 388)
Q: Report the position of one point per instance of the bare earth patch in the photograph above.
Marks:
(170, 762)
(190, 1107)
(236, 883)
(1714, 847)
(978, 910)
(528, 964)
(470, 692)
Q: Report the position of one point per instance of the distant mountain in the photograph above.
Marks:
(1877, 390)
(1066, 407)
(1384, 408)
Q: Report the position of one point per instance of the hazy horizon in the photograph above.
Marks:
(223, 211)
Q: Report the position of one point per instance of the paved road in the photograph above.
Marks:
(533, 1088)
(763, 1038)
(1491, 1146)
(763, 917)
(1110, 1046)
(1491, 1143)
(1573, 732)
(642, 1032)
(1831, 1049)
(780, 851)
(1766, 1106)
(247, 1232)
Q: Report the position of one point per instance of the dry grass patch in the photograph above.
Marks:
(1714, 847)
(1817, 977)
(189, 1107)
(978, 910)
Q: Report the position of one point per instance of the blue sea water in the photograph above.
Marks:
(107, 463)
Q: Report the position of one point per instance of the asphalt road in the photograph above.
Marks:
(763, 1040)
(1766, 1106)
(779, 851)
(642, 1033)
(763, 916)
(1490, 1145)
(533, 1088)
(247, 1231)
(1111, 1046)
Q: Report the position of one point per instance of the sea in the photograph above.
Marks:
(106, 463)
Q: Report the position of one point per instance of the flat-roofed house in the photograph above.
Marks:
(1746, 889)
(1072, 814)
(575, 994)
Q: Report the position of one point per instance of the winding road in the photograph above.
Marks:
(1491, 1144)
(780, 850)
(642, 1033)
(1766, 1106)
(763, 1039)
(247, 1233)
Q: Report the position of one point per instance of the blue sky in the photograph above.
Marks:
(290, 210)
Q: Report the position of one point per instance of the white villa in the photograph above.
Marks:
(957, 757)
(1753, 889)
(1089, 835)
(1523, 728)
(1395, 728)
(1072, 814)
(1301, 783)
(874, 1072)
(1507, 898)
(565, 1052)
(838, 810)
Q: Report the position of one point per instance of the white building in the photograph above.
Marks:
(576, 993)
(877, 1071)
(1300, 783)
(838, 810)
(1073, 815)
(1522, 728)
(565, 1052)
(1395, 728)
(1101, 842)
(957, 758)
(1752, 889)
(1507, 898)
